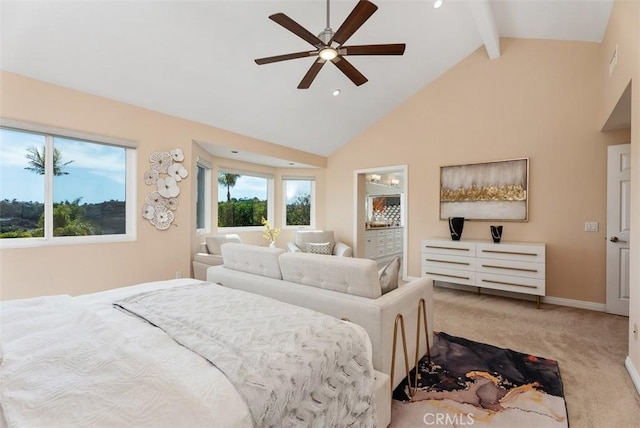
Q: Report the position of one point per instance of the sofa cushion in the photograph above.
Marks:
(319, 248)
(303, 237)
(344, 274)
(215, 241)
(252, 259)
(389, 275)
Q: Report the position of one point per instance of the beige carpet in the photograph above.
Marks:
(590, 348)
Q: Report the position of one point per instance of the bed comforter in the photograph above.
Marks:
(293, 366)
(79, 362)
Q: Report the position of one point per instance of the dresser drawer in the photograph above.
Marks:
(523, 253)
(510, 267)
(449, 262)
(454, 248)
(437, 273)
(511, 283)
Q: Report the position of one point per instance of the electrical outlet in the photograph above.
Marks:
(591, 226)
(178, 274)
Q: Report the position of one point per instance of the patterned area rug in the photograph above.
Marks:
(474, 384)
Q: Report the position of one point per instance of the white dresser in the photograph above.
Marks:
(508, 266)
(383, 244)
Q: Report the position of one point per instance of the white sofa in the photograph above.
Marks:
(304, 237)
(211, 255)
(343, 287)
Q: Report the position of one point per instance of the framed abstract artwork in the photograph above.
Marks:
(486, 191)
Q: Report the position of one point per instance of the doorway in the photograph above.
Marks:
(380, 221)
(618, 228)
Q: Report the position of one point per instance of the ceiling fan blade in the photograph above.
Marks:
(269, 60)
(358, 16)
(295, 28)
(390, 49)
(349, 70)
(311, 74)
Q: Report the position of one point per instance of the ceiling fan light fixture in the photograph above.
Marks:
(328, 53)
(438, 4)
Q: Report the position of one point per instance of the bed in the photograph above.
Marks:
(180, 353)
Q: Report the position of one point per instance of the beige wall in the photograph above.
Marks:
(154, 255)
(540, 100)
(623, 31)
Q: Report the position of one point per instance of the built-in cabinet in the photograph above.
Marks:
(383, 244)
(509, 266)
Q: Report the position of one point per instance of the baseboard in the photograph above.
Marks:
(560, 301)
(635, 376)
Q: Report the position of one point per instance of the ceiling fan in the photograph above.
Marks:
(329, 45)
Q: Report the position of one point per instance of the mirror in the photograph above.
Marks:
(380, 215)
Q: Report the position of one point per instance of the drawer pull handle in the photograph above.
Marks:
(510, 252)
(446, 248)
(448, 261)
(448, 276)
(508, 283)
(511, 268)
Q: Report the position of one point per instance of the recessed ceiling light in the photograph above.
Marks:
(336, 92)
(438, 4)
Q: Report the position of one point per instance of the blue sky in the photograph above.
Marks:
(96, 174)
(248, 187)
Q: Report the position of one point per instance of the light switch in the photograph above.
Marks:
(591, 226)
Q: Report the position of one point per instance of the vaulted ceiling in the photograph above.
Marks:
(195, 60)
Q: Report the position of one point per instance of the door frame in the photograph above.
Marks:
(359, 205)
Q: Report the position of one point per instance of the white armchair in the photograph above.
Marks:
(211, 255)
(317, 238)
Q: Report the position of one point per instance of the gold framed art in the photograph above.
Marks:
(497, 190)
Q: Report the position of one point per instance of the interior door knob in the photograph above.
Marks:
(615, 239)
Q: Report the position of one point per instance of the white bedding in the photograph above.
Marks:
(293, 366)
(60, 368)
(71, 362)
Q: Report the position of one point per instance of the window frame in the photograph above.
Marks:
(312, 219)
(131, 201)
(270, 199)
(200, 163)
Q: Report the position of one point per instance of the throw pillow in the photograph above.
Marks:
(389, 275)
(319, 248)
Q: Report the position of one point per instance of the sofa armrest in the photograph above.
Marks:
(210, 259)
(342, 250)
(293, 248)
(203, 261)
(404, 301)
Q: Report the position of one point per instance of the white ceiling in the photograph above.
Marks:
(195, 59)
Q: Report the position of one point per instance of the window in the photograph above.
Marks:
(244, 198)
(203, 198)
(299, 202)
(55, 185)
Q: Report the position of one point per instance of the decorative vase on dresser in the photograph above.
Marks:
(512, 266)
(456, 224)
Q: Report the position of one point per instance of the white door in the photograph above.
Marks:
(618, 228)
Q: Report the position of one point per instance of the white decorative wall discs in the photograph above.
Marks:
(165, 173)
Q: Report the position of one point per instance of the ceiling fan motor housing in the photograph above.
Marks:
(326, 36)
